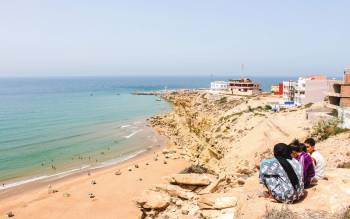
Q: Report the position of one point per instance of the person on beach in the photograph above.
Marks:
(299, 152)
(318, 159)
(282, 175)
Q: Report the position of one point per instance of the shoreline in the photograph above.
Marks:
(41, 181)
(45, 180)
(119, 158)
(28, 200)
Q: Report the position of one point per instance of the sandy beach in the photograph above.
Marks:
(114, 194)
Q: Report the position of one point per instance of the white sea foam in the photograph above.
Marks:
(118, 160)
(124, 126)
(69, 172)
(133, 133)
(56, 175)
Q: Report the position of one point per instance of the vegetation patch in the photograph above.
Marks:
(344, 165)
(267, 107)
(282, 213)
(223, 100)
(308, 105)
(326, 128)
(195, 169)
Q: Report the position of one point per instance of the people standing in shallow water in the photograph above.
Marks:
(299, 152)
(318, 159)
(282, 175)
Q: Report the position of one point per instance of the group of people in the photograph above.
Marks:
(294, 167)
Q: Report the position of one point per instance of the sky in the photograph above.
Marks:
(179, 37)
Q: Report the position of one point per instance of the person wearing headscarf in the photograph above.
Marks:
(282, 175)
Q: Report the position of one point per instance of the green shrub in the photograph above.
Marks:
(267, 108)
(326, 128)
(283, 213)
(308, 105)
(223, 100)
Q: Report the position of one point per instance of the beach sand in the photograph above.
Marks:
(114, 194)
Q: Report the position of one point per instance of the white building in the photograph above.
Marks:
(311, 89)
(289, 90)
(219, 85)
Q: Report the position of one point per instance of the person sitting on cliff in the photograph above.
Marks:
(299, 152)
(318, 159)
(282, 175)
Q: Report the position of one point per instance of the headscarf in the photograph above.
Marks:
(282, 152)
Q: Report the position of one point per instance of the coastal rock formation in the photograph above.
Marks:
(190, 179)
(153, 200)
(217, 201)
(152, 203)
(225, 136)
(176, 191)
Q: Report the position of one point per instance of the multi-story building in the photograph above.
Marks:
(339, 91)
(339, 97)
(311, 89)
(244, 86)
(219, 85)
(289, 91)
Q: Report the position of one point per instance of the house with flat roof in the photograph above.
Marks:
(219, 85)
(244, 86)
(311, 89)
(339, 97)
(289, 90)
(339, 91)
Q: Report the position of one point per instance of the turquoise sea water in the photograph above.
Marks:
(52, 125)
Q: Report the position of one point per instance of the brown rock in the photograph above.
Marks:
(91, 195)
(10, 214)
(240, 181)
(153, 200)
(217, 201)
(117, 172)
(190, 179)
(212, 187)
(185, 211)
(174, 190)
(245, 171)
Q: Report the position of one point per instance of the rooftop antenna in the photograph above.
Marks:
(242, 71)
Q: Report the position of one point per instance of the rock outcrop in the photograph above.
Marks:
(225, 136)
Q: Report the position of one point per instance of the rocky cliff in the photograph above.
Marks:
(224, 136)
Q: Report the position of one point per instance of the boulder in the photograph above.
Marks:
(217, 201)
(10, 214)
(190, 179)
(212, 187)
(153, 200)
(174, 190)
(240, 181)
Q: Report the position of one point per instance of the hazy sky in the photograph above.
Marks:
(160, 37)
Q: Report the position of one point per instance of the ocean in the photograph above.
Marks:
(56, 126)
